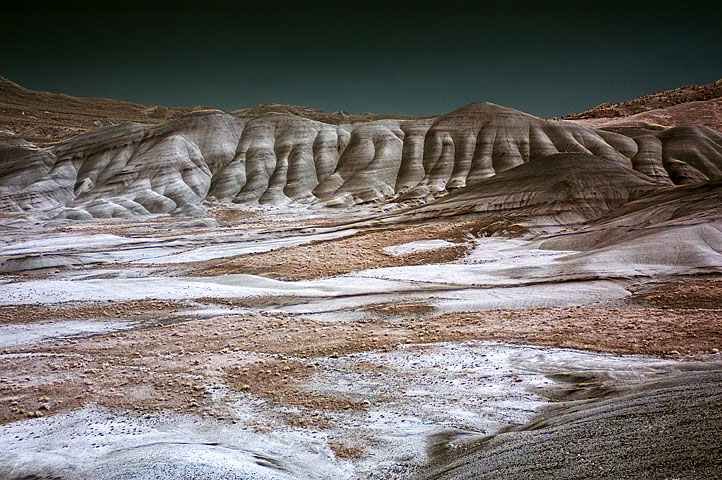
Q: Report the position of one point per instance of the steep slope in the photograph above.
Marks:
(655, 213)
(666, 429)
(130, 169)
(482, 139)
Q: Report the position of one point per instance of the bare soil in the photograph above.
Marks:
(45, 118)
(361, 251)
(176, 366)
(688, 294)
(133, 310)
(346, 451)
(167, 227)
(687, 105)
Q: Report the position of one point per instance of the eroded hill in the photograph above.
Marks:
(177, 166)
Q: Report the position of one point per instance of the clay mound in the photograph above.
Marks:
(23, 170)
(39, 262)
(650, 216)
(558, 189)
(677, 230)
(129, 170)
(680, 155)
(482, 139)
(22, 163)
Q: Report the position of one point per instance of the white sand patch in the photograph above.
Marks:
(97, 443)
(60, 241)
(552, 295)
(251, 245)
(487, 263)
(478, 269)
(473, 387)
(418, 246)
(499, 273)
(62, 250)
(416, 392)
(335, 295)
(471, 299)
(228, 286)
(26, 334)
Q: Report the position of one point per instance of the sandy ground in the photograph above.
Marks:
(362, 415)
(343, 354)
(362, 251)
(654, 322)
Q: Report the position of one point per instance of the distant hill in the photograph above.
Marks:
(333, 118)
(478, 158)
(74, 158)
(691, 104)
(45, 118)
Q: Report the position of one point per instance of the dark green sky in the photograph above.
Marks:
(414, 57)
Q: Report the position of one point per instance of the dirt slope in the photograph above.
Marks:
(45, 118)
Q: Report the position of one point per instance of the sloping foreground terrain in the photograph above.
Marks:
(598, 438)
(282, 293)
